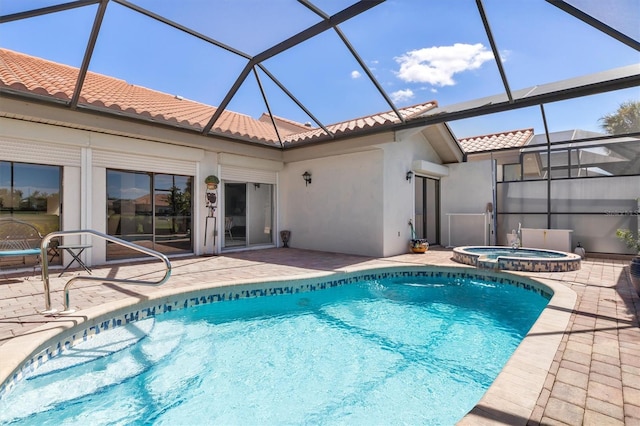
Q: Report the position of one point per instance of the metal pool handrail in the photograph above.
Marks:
(44, 245)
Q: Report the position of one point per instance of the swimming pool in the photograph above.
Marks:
(518, 259)
(321, 317)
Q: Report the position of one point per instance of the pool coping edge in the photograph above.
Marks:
(550, 325)
(527, 368)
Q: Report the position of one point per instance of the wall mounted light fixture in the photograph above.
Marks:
(307, 178)
(409, 175)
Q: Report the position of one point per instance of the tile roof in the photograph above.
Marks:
(285, 124)
(511, 139)
(25, 73)
(368, 122)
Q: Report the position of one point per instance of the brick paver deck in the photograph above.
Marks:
(594, 378)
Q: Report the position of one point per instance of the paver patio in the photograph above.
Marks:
(594, 378)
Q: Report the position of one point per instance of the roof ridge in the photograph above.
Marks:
(367, 121)
(286, 120)
(497, 133)
(433, 103)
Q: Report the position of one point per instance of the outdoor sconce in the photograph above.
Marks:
(409, 175)
(307, 178)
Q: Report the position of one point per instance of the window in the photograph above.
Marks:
(31, 192)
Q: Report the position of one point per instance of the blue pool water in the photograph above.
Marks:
(416, 351)
(495, 252)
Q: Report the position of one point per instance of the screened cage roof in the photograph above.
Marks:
(286, 72)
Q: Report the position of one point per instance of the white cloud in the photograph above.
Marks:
(504, 55)
(437, 65)
(355, 74)
(400, 96)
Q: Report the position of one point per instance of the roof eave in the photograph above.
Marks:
(134, 118)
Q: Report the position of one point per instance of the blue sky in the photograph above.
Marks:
(417, 50)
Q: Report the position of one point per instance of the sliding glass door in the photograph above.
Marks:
(427, 197)
(149, 209)
(172, 213)
(248, 214)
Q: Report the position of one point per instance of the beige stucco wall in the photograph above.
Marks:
(399, 203)
(359, 201)
(341, 210)
(466, 190)
(84, 182)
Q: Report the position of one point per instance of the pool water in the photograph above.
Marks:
(417, 351)
(495, 252)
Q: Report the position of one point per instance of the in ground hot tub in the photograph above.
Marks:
(520, 259)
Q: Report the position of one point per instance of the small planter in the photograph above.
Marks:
(212, 182)
(284, 236)
(419, 245)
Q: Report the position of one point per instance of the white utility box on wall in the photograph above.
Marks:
(550, 239)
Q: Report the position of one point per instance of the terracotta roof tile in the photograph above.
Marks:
(22, 72)
(285, 126)
(362, 123)
(27, 73)
(511, 139)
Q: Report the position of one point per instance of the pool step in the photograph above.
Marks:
(100, 345)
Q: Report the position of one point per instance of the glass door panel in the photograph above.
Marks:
(235, 214)
(260, 219)
(151, 210)
(432, 210)
(427, 210)
(129, 212)
(248, 214)
(172, 218)
(420, 209)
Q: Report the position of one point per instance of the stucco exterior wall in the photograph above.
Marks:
(357, 203)
(467, 190)
(84, 181)
(341, 210)
(399, 204)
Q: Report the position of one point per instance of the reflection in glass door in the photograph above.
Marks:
(148, 209)
(31, 193)
(172, 213)
(427, 196)
(248, 214)
(235, 214)
(260, 213)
